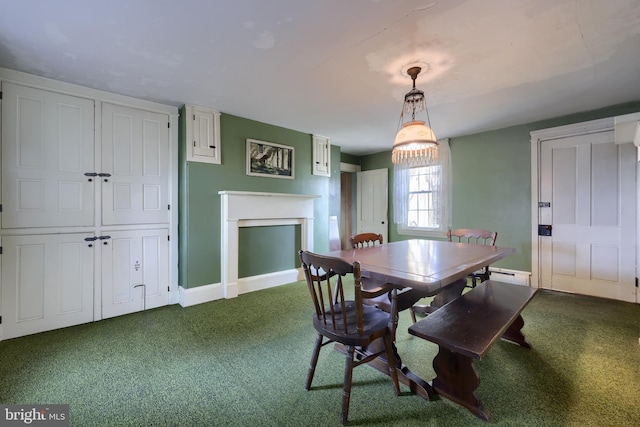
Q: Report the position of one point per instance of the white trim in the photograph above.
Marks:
(212, 292)
(584, 128)
(269, 280)
(240, 209)
(200, 294)
(349, 167)
(51, 85)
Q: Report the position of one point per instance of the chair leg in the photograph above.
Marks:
(413, 314)
(314, 361)
(391, 362)
(346, 388)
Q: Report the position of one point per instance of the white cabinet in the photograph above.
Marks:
(86, 211)
(47, 147)
(203, 135)
(47, 282)
(135, 272)
(135, 166)
(321, 156)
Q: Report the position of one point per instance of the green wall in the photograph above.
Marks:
(491, 189)
(261, 249)
(491, 178)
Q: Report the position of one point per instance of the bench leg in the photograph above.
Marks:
(457, 380)
(514, 333)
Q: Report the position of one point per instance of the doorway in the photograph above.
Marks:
(348, 188)
(584, 211)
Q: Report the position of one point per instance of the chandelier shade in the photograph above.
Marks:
(415, 141)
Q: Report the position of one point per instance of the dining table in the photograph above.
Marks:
(420, 268)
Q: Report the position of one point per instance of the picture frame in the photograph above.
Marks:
(270, 160)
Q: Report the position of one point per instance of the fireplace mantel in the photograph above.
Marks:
(254, 209)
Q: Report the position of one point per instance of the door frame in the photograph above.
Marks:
(537, 138)
(347, 220)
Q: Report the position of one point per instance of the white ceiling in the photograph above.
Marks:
(338, 67)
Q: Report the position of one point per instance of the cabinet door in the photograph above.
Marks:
(203, 135)
(321, 156)
(135, 155)
(135, 271)
(47, 147)
(47, 282)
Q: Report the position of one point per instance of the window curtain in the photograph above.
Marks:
(401, 186)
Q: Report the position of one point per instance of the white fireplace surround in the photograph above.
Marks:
(252, 209)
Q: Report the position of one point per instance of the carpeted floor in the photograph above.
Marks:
(243, 362)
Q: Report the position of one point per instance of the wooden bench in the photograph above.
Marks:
(465, 329)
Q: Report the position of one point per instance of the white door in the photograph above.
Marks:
(587, 195)
(47, 282)
(371, 202)
(135, 271)
(135, 155)
(47, 147)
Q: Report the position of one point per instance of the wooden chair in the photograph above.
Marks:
(348, 322)
(406, 297)
(364, 240)
(477, 237)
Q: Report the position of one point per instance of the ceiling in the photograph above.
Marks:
(338, 68)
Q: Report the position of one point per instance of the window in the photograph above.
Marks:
(422, 195)
(424, 185)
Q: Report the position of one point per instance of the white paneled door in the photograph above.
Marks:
(47, 282)
(135, 272)
(587, 196)
(135, 166)
(371, 200)
(47, 147)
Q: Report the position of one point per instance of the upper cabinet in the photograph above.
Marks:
(203, 135)
(321, 156)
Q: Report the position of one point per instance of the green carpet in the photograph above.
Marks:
(243, 362)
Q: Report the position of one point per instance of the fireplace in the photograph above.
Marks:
(252, 209)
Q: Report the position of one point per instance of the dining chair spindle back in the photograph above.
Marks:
(340, 316)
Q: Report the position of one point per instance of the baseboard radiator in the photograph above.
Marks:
(510, 276)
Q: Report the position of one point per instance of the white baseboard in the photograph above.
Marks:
(200, 294)
(212, 292)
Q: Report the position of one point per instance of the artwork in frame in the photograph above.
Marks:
(269, 159)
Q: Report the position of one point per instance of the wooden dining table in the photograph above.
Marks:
(421, 268)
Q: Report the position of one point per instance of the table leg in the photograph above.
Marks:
(448, 294)
(457, 380)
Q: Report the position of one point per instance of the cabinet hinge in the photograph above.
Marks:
(1, 254)
(0, 320)
(168, 207)
(0, 95)
(168, 125)
(169, 238)
(636, 278)
(0, 208)
(194, 117)
(168, 290)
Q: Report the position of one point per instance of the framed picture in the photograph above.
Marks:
(269, 159)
